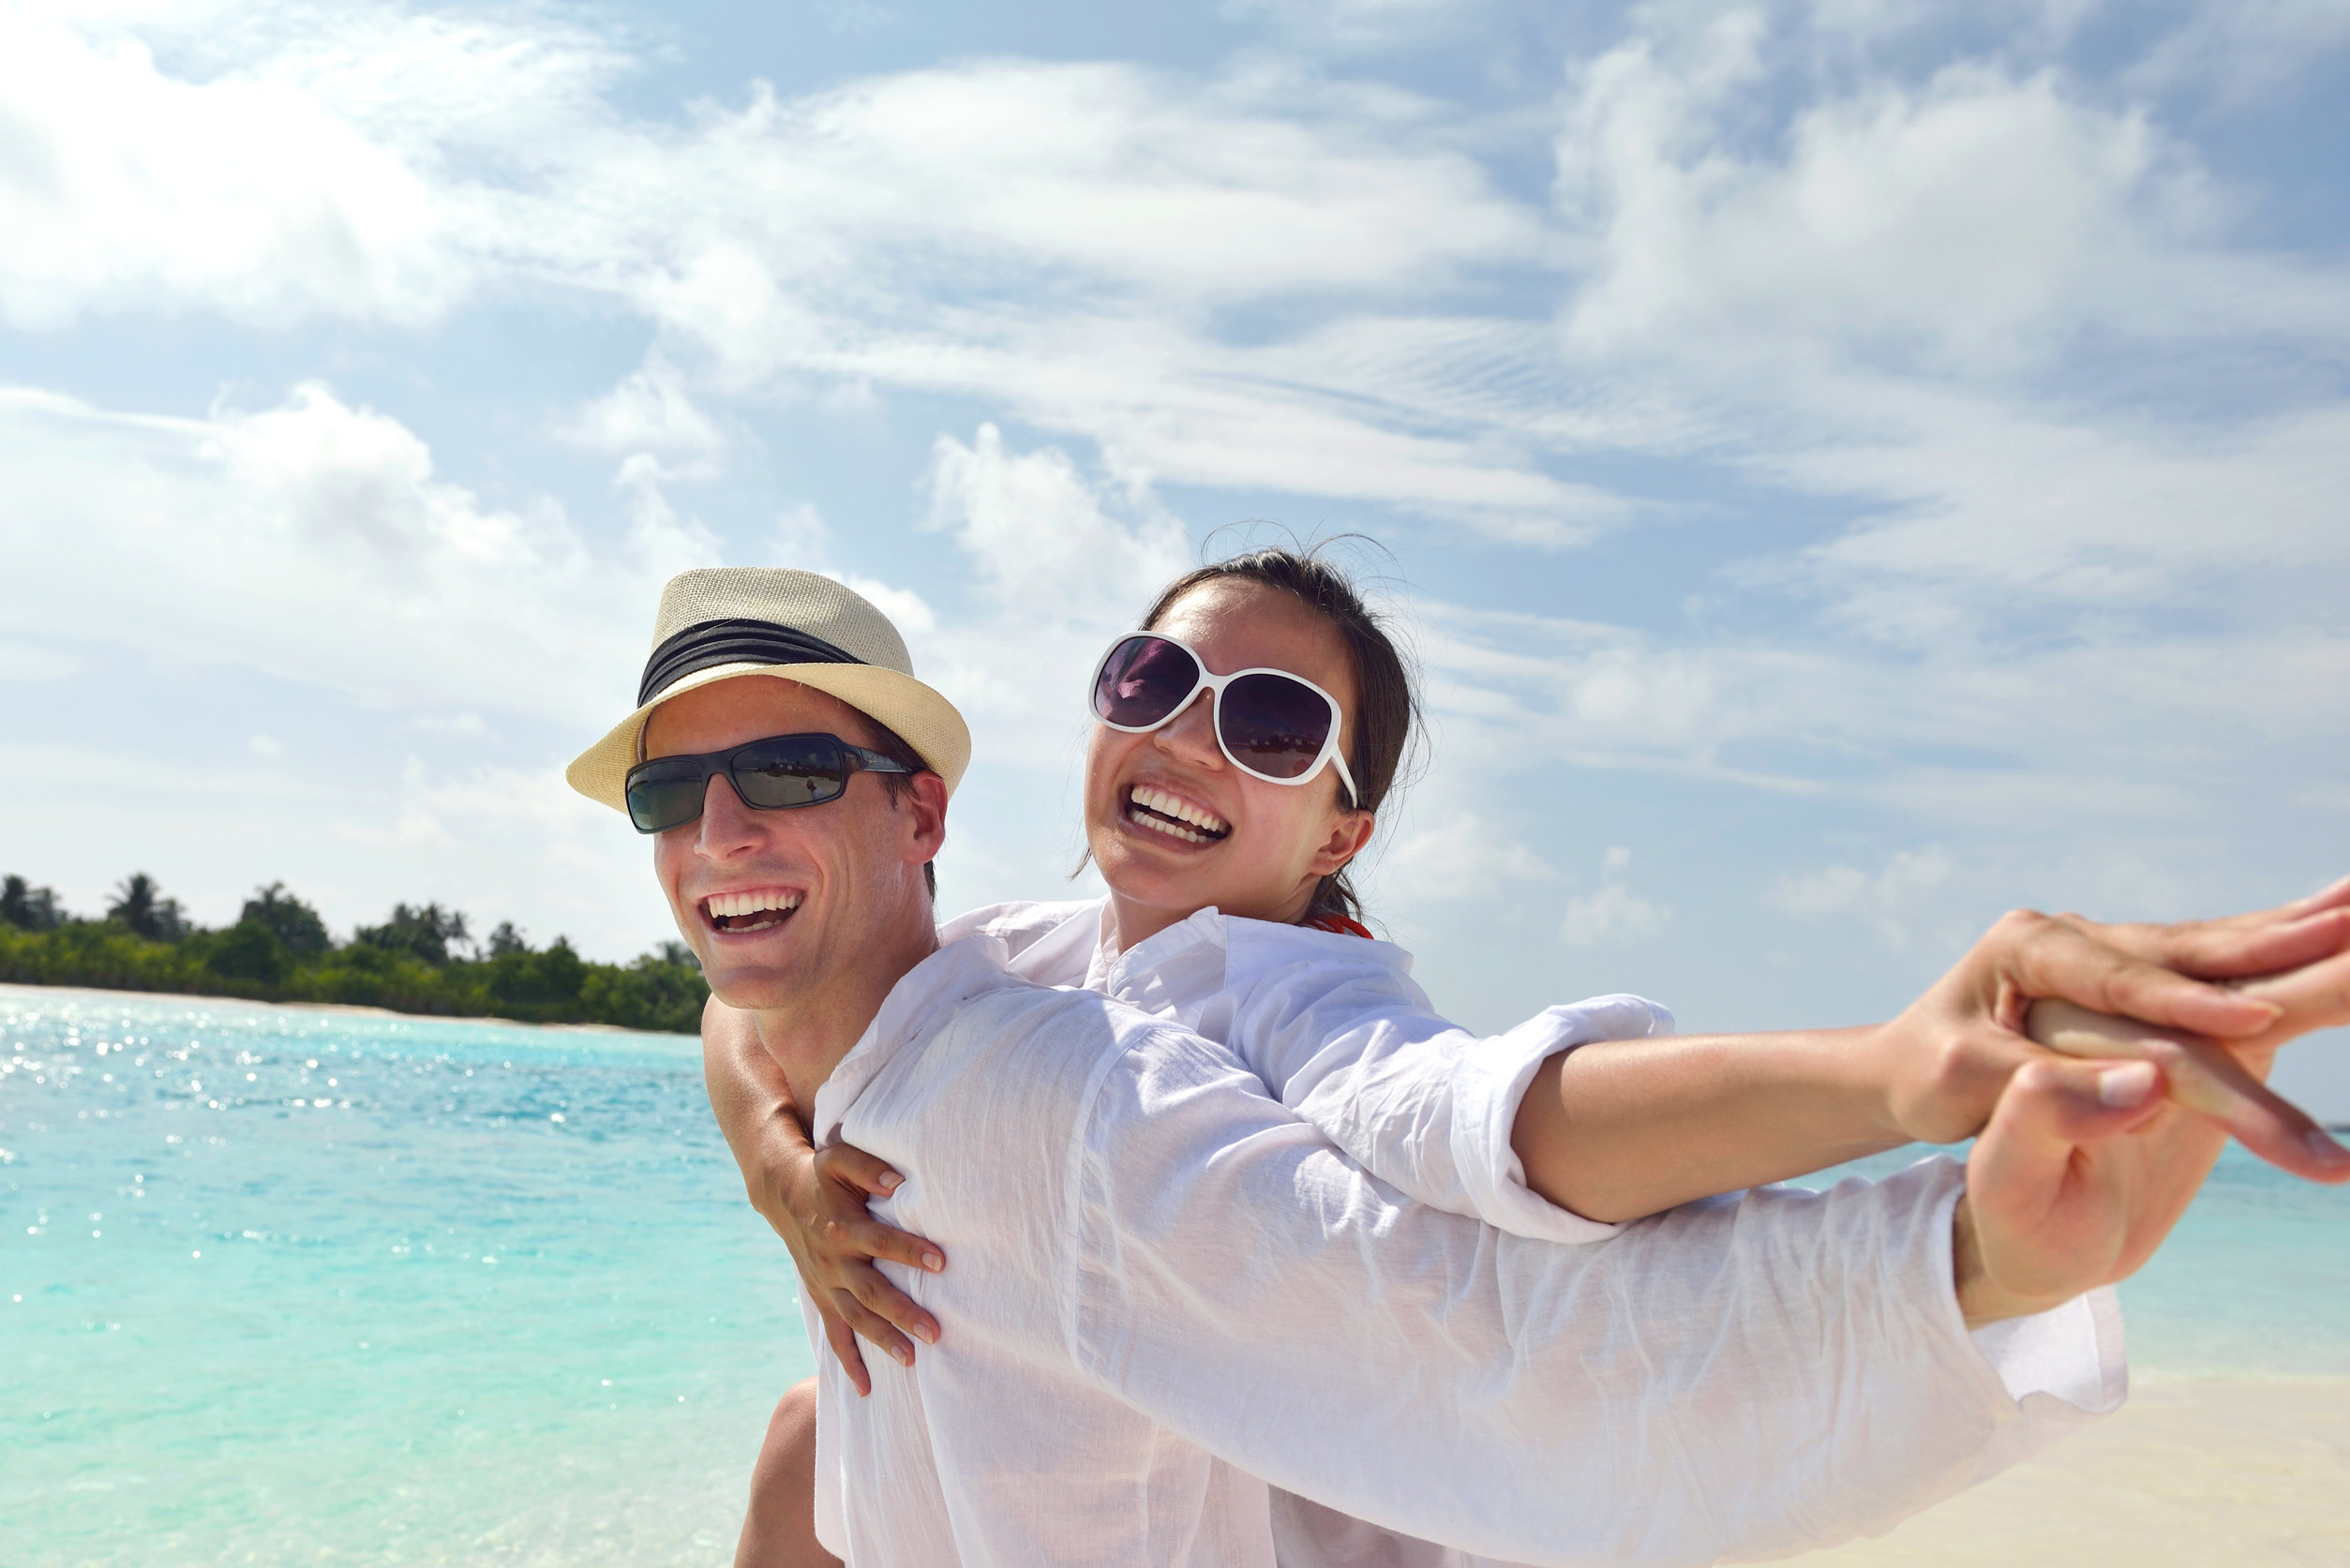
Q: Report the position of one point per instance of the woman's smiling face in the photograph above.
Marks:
(1174, 826)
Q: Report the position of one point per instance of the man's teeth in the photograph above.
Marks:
(1204, 827)
(736, 911)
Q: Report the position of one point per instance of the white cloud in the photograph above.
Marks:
(125, 188)
(313, 542)
(1058, 562)
(1465, 857)
(1613, 914)
(1037, 533)
(801, 539)
(1964, 224)
(17, 663)
(1887, 899)
(2237, 50)
(649, 410)
(899, 232)
(1356, 24)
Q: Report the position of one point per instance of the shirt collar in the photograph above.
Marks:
(1167, 973)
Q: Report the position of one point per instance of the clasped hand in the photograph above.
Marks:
(2164, 1035)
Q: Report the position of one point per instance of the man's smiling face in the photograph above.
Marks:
(779, 906)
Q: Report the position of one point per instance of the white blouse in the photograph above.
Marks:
(1167, 1291)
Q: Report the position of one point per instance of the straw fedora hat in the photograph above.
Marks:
(725, 621)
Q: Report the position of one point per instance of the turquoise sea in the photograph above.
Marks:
(285, 1286)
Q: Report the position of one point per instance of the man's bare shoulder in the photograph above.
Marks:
(733, 1028)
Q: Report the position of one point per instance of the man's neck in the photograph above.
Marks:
(808, 1037)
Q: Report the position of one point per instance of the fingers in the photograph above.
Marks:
(2229, 951)
(873, 1291)
(874, 1327)
(2206, 1079)
(850, 1166)
(843, 1339)
(2334, 895)
(867, 1237)
(2055, 957)
(2021, 1164)
(2052, 1108)
(2314, 997)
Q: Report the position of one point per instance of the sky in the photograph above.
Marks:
(1842, 470)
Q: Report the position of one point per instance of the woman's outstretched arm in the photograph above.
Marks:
(1616, 1130)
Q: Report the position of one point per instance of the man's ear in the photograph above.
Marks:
(1347, 834)
(923, 810)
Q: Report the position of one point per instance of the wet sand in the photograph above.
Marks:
(2191, 1474)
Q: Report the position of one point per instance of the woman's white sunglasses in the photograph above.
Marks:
(1269, 724)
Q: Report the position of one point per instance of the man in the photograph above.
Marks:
(1169, 1293)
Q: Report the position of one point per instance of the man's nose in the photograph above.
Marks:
(728, 826)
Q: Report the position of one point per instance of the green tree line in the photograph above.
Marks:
(422, 959)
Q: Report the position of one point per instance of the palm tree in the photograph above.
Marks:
(140, 905)
(294, 922)
(33, 908)
(425, 931)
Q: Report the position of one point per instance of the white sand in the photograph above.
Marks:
(31, 996)
(2191, 1474)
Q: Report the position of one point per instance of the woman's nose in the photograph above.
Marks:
(1192, 734)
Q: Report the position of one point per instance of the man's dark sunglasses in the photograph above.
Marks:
(770, 775)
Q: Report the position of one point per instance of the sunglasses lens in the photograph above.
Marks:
(1273, 724)
(1142, 681)
(794, 770)
(660, 798)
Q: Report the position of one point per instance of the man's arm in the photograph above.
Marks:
(1619, 1128)
(1744, 1377)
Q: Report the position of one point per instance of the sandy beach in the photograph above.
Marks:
(2191, 1474)
(347, 1009)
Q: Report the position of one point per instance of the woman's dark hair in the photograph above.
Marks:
(1386, 700)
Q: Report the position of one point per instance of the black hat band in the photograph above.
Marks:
(733, 642)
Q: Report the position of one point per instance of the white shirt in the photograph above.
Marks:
(1335, 1026)
(1165, 1287)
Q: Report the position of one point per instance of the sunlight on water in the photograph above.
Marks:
(283, 1286)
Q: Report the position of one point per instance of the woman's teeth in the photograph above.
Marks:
(754, 911)
(1162, 812)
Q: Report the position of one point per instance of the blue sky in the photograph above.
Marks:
(1845, 469)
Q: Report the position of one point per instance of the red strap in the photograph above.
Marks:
(1339, 925)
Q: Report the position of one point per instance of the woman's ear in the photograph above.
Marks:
(1347, 834)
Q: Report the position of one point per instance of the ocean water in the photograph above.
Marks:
(283, 1286)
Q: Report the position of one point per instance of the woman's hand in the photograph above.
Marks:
(835, 1241)
(2250, 982)
(815, 1200)
(2058, 1202)
(2222, 1083)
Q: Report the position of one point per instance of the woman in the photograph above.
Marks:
(1224, 828)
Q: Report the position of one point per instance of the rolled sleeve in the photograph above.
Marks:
(1490, 1080)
